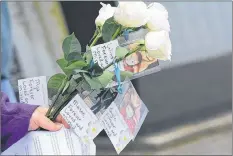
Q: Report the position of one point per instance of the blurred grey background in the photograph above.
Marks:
(194, 87)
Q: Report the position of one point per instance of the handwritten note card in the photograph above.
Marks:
(115, 127)
(81, 119)
(103, 54)
(33, 90)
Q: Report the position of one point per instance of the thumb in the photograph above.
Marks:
(47, 124)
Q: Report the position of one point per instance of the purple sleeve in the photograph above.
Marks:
(15, 119)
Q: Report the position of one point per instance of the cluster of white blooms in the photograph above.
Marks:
(136, 14)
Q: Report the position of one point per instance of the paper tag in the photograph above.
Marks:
(33, 91)
(115, 127)
(104, 54)
(131, 108)
(81, 119)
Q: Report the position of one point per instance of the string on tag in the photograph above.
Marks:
(126, 34)
(92, 63)
(118, 76)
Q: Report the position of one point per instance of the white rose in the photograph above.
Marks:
(158, 45)
(158, 17)
(131, 14)
(105, 13)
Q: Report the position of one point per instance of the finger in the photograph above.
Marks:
(42, 110)
(47, 124)
(60, 119)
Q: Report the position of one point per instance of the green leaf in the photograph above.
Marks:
(74, 56)
(126, 74)
(109, 28)
(96, 70)
(66, 86)
(54, 84)
(88, 56)
(72, 86)
(76, 65)
(93, 82)
(70, 45)
(63, 64)
(105, 78)
(56, 80)
(121, 52)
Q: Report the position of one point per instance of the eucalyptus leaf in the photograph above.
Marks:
(93, 82)
(76, 65)
(105, 78)
(108, 29)
(121, 52)
(70, 45)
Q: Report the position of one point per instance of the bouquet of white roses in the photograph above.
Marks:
(83, 70)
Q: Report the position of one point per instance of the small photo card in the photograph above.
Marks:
(132, 108)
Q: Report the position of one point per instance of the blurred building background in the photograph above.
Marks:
(194, 87)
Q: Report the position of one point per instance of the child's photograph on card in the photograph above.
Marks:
(132, 109)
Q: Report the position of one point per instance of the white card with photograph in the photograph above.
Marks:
(131, 108)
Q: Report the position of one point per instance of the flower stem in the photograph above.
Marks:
(116, 33)
(95, 40)
(56, 96)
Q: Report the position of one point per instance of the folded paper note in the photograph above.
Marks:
(62, 142)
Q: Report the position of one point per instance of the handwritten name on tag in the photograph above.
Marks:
(33, 90)
(81, 119)
(115, 127)
(103, 54)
